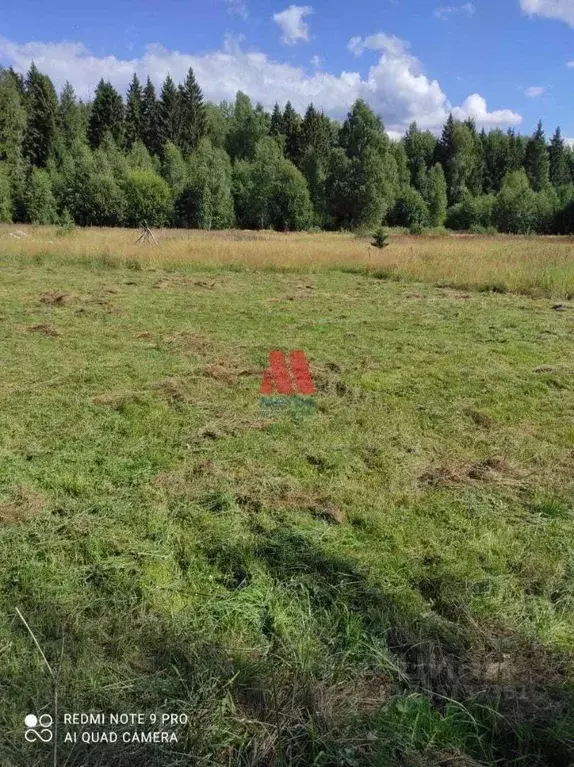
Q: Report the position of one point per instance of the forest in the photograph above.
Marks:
(174, 159)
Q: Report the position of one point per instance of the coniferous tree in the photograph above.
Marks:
(106, 115)
(134, 104)
(12, 120)
(41, 107)
(276, 127)
(558, 161)
(71, 123)
(168, 113)
(292, 132)
(536, 162)
(150, 132)
(192, 119)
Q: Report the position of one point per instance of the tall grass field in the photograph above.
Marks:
(193, 575)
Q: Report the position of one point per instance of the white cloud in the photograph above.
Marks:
(291, 22)
(395, 86)
(445, 11)
(534, 91)
(569, 142)
(237, 7)
(563, 10)
(316, 61)
(475, 107)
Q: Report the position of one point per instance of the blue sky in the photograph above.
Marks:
(503, 62)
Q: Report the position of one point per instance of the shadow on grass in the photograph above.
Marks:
(384, 684)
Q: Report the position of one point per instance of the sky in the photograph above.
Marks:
(506, 63)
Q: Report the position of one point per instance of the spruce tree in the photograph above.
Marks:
(42, 108)
(71, 125)
(168, 113)
(558, 160)
(276, 128)
(106, 115)
(292, 133)
(536, 161)
(12, 120)
(133, 131)
(150, 131)
(192, 120)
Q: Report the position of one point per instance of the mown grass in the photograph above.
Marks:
(385, 579)
(536, 266)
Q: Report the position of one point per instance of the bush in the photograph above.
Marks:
(410, 210)
(515, 209)
(66, 223)
(416, 229)
(471, 212)
(148, 198)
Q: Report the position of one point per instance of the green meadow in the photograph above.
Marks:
(384, 578)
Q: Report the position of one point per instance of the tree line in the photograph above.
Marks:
(173, 159)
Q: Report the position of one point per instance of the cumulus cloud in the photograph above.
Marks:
(395, 85)
(563, 10)
(294, 28)
(534, 91)
(445, 11)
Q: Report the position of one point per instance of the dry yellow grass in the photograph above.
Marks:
(532, 265)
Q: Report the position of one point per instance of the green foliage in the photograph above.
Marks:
(174, 169)
(246, 129)
(148, 198)
(40, 201)
(5, 195)
(139, 157)
(381, 238)
(42, 109)
(133, 127)
(66, 223)
(150, 128)
(353, 176)
(191, 114)
(514, 211)
(559, 171)
(471, 212)
(106, 116)
(12, 120)
(437, 196)
(410, 210)
(70, 119)
(536, 161)
(206, 201)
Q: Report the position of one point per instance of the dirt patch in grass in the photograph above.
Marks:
(24, 504)
(188, 341)
(117, 400)
(229, 374)
(493, 469)
(171, 388)
(221, 429)
(46, 330)
(55, 297)
(479, 418)
(319, 505)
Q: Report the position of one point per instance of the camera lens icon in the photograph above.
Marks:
(38, 728)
